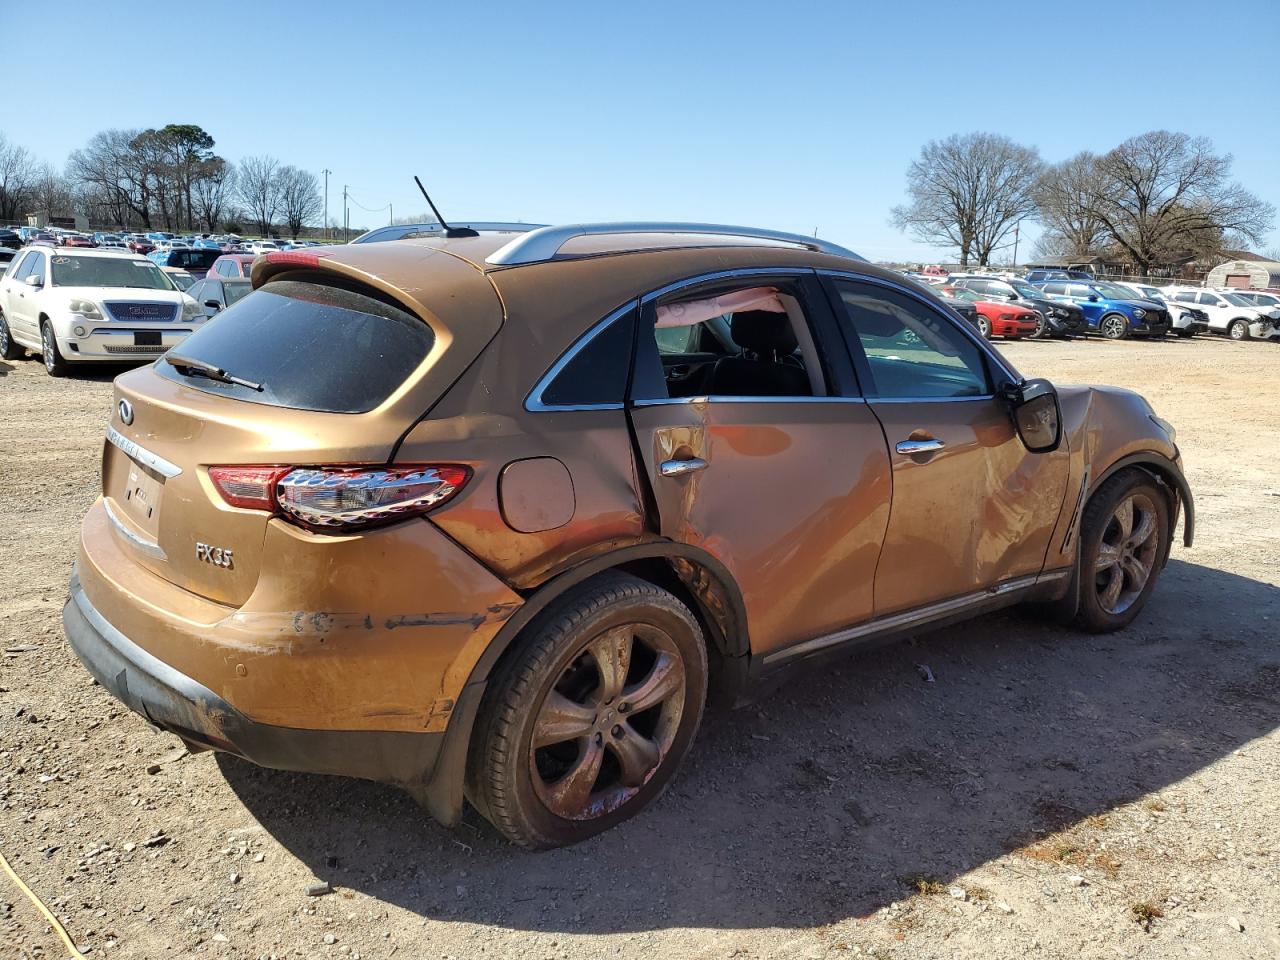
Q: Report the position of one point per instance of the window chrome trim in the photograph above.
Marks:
(725, 275)
(972, 335)
(533, 402)
(724, 398)
(909, 618)
(144, 456)
(986, 396)
(149, 547)
(543, 244)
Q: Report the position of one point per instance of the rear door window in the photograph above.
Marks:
(309, 346)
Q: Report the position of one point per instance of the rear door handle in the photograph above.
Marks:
(910, 448)
(678, 468)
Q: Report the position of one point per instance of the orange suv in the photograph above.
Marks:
(489, 515)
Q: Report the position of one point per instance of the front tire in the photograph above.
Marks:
(9, 349)
(1114, 326)
(1239, 330)
(588, 722)
(54, 363)
(984, 327)
(1125, 533)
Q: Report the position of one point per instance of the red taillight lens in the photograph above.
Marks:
(250, 487)
(340, 498)
(294, 257)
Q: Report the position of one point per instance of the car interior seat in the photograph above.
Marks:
(767, 365)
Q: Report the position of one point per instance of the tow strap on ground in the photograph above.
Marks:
(48, 914)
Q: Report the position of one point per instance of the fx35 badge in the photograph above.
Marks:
(218, 556)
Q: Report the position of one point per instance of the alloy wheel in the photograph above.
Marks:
(608, 721)
(1239, 330)
(4, 336)
(1113, 327)
(984, 327)
(1127, 554)
(48, 348)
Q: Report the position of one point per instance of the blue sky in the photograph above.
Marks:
(795, 116)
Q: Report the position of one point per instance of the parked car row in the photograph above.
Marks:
(1061, 303)
(16, 237)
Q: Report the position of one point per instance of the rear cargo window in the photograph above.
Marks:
(309, 346)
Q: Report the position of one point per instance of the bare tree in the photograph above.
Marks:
(112, 174)
(1161, 195)
(968, 191)
(212, 190)
(1065, 193)
(258, 188)
(18, 171)
(300, 200)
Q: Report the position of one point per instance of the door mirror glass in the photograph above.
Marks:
(1037, 416)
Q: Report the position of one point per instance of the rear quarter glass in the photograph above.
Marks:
(310, 346)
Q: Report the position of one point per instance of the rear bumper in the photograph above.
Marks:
(175, 702)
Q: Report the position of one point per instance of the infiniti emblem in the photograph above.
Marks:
(126, 412)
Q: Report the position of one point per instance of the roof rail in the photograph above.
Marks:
(401, 230)
(544, 243)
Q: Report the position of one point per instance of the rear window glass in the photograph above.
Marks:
(309, 346)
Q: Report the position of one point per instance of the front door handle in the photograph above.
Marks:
(910, 448)
(678, 468)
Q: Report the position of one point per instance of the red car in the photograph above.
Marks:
(997, 318)
(76, 240)
(140, 245)
(233, 265)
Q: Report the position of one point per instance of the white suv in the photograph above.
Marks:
(1229, 313)
(85, 305)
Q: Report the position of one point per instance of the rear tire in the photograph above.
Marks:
(9, 349)
(586, 724)
(1124, 543)
(1239, 330)
(54, 364)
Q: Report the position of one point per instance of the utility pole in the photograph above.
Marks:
(346, 213)
(326, 173)
(392, 208)
(1015, 244)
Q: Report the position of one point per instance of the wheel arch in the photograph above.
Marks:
(692, 574)
(1166, 473)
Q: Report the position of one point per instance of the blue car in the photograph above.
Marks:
(1110, 310)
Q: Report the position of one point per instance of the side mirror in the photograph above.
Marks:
(33, 281)
(1093, 298)
(213, 305)
(1037, 415)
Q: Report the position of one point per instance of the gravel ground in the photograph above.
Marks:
(1050, 795)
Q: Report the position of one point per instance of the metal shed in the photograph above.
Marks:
(1245, 274)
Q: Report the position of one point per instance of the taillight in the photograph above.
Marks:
(340, 498)
(250, 487)
(294, 257)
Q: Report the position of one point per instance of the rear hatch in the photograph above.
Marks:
(334, 366)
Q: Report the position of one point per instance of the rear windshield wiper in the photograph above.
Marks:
(199, 368)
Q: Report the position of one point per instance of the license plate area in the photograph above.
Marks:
(147, 338)
(140, 496)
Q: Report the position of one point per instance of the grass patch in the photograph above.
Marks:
(925, 886)
(1145, 912)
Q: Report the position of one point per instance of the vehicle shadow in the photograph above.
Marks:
(6, 368)
(813, 805)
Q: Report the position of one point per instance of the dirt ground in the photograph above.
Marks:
(1050, 795)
